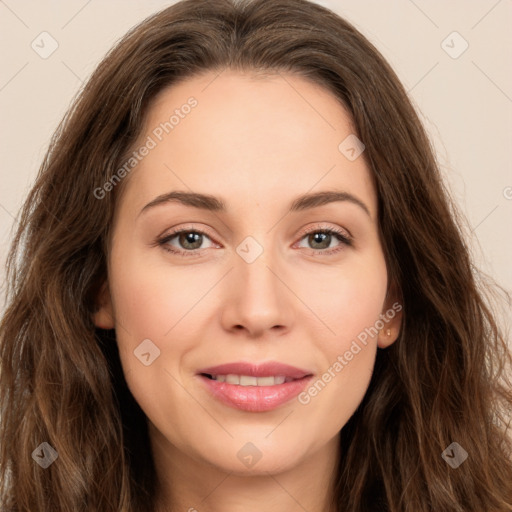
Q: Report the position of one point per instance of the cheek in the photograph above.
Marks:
(348, 299)
(150, 299)
(151, 303)
(347, 363)
(350, 306)
(334, 395)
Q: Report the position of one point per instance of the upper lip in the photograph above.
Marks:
(266, 369)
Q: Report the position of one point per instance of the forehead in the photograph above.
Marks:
(243, 136)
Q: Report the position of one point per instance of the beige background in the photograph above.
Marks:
(465, 102)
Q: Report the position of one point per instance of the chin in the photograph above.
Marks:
(257, 457)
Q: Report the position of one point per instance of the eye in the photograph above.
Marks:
(321, 239)
(187, 242)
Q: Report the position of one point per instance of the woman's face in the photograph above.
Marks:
(256, 281)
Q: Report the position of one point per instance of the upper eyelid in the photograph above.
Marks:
(186, 229)
(319, 227)
(303, 232)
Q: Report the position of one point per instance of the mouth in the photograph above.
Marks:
(254, 388)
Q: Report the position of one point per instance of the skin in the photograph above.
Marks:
(256, 143)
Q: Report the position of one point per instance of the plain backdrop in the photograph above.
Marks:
(453, 58)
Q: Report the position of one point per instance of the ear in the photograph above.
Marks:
(391, 317)
(103, 317)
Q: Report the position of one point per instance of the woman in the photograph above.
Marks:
(238, 283)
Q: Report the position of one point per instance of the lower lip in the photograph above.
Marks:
(255, 398)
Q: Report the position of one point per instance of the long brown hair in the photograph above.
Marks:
(443, 381)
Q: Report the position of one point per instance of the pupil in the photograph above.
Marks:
(321, 237)
(191, 238)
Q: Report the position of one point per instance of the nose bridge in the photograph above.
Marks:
(256, 275)
(259, 285)
(258, 299)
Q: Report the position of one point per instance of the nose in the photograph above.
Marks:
(257, 299)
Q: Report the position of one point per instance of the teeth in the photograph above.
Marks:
(232, 379)
(246, 380)
(267, 381)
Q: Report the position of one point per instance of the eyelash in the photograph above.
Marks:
(342, 236)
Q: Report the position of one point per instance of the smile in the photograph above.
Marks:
(247, 380)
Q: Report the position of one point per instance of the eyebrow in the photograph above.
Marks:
(215, 204)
